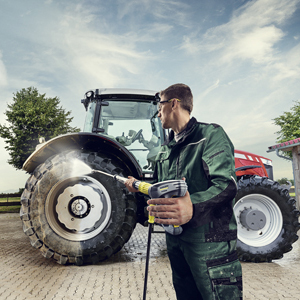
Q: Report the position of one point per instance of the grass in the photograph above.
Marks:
(10, 199)
(10, 209)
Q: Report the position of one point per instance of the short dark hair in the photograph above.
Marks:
(182, 92)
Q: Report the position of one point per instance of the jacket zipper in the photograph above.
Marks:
(177, 166)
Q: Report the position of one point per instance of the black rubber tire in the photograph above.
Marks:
(34, 205)
(287, 233)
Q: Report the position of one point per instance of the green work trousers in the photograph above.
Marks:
(204, 271)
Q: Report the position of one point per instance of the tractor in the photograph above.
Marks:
(76, 216)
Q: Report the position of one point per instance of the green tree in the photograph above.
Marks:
(283, 180)
(30, 116)
(289, 123)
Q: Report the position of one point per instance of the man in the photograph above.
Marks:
(203, 257)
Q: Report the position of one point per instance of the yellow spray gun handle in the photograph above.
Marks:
(143, 187)
(151, 218)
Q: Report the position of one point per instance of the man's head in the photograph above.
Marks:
(175, 106)
(180, 92)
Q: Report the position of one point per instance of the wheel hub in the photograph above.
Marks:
(79, 207)
(253, 219)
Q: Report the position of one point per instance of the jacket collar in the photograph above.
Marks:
(188, 129)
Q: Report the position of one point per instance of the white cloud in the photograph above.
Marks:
(150, 34)
(11, 179)
(209, 89)
(263, 12)
(251, 33)
(256, 45)
(78, 49)
(289, 66)
(99, 57)
(172, 10)
(78, 42)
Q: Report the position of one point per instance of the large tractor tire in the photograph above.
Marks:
(73, 215)
(267, 220)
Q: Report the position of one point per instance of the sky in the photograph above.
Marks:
(240, 58)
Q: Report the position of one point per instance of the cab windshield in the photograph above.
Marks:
(134, 124)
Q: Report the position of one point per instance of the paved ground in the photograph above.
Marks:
(26, 274)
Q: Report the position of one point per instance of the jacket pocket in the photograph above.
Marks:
(162, 162)
(226, 277)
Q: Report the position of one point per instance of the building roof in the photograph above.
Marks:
(285, 146)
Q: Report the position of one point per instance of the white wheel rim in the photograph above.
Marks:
(273, 215)
(78, 208)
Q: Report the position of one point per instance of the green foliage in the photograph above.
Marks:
(31, 115)
(284, 180)
(10, 209)
(289, 123)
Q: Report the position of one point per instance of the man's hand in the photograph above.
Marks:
(173, 211)
(129, 183)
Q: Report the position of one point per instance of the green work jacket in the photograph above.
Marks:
(205, 157)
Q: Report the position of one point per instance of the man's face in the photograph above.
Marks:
(164, 112)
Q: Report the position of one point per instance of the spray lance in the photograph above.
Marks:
(165, 189)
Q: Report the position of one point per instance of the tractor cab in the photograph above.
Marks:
(128, 118)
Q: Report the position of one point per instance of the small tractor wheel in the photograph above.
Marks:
(267, 220)
(76, 216)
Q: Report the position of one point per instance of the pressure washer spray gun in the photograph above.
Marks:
(165, 189)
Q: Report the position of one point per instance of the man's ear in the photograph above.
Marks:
(174, 103)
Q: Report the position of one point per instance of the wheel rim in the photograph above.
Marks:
(78, 208)
(259, 220)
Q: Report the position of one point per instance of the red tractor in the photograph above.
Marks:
(266, 214)
(75, 216)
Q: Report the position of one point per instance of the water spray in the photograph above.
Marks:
(80, 168)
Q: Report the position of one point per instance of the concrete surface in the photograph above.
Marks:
(26, 274)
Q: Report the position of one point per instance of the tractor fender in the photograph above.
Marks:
(84, 141)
